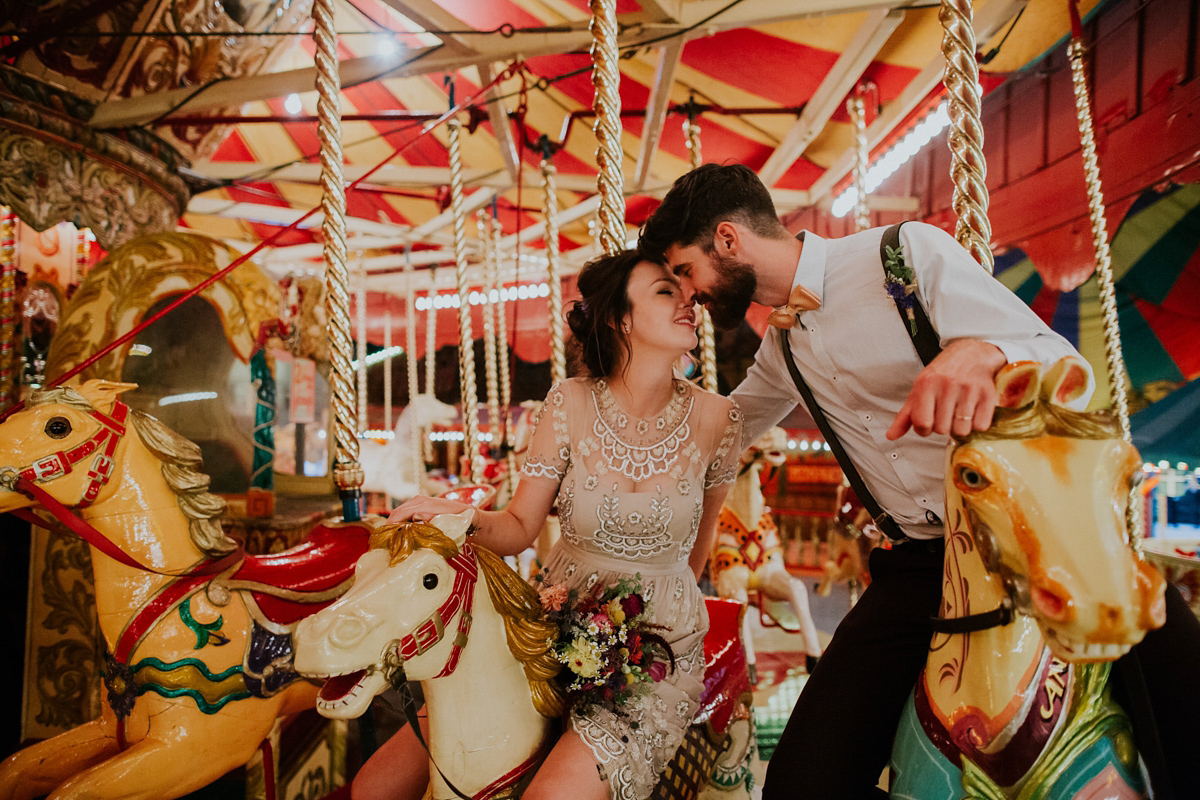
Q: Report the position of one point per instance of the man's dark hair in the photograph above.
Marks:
(701, 200)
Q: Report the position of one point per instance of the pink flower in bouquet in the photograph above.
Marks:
(633, 605)
(553, 597)
(658, 670)
(601, 621)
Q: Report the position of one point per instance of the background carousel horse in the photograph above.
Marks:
(482, 650)
(747, 556)
(852, 538)
(197, 635)
(1034, 523)
(388, 467)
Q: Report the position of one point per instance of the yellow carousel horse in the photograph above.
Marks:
(197, 634)
(1016, 705)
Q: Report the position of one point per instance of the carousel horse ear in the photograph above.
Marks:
(103, 394)
(455, 525)
(1017, 384)
(1065, 382)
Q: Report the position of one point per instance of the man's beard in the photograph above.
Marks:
(733, 292)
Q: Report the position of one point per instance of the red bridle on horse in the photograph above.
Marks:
(433, 629)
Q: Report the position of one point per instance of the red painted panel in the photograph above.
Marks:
(801, 175)
(776, 69)
(490, 14)
(1046, 303)
(1026, 127)
(1177, 333)
(1114, 55)
(993, 116)
(1062, 135)
(233, 148)
(1164, 59)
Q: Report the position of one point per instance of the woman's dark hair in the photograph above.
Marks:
(596, 319)
(701, 200)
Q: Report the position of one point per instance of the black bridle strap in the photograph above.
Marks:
(996, 618)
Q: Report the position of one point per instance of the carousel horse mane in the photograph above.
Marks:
(530, 635)
(1041, 418)
(181, 470)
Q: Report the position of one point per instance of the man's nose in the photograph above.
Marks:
(689, 290)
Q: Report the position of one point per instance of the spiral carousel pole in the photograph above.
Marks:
(858, 117)
(708, 339)
(606, 78)
(558, 359)
(510, 457)
(8, 304)
(420, 435)
(967, 166)
(346, 470)
(430, 358)
(466, 349)
(1117, 385)
(483, 222)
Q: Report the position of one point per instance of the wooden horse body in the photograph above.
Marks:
(388, 467)
(747, 555)
(456, 618)
(1035, 524)
(198, 635)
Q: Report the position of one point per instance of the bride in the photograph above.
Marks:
(638, 462)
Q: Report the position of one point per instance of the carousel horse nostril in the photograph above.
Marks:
(347, 632)
(1055, 605)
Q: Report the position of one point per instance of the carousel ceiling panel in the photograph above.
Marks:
(770, 78)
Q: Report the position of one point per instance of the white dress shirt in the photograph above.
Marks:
(857, 357)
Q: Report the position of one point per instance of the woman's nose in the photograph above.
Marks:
(688, 294)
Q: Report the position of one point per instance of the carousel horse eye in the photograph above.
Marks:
(970, 479)
(431, 580)
(58, 427)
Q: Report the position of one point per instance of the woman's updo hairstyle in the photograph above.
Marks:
(596, 319)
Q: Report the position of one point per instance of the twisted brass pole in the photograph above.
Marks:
(558, 358)
(708, 339)
(466, 348)
(606, 78)
(419, 434)
(8, 304)
(360, 342)
(967, 166)
(858, 117)
(510, 457)
(1117, 385)
(346, 471)
(430, 358)
(483, 220)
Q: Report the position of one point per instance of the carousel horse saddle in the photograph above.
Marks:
(295, 583)
(726, 680)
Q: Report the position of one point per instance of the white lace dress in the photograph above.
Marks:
(631, 493)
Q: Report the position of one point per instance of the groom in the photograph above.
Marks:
(718, 230)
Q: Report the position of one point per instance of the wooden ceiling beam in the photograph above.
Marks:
(868, 40)
(990, 19)
(656, 108)
(148, 108)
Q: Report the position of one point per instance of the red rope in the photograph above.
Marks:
(1076, 22)
(429, 126)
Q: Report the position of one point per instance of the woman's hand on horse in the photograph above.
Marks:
(955, 394)
(424, 509)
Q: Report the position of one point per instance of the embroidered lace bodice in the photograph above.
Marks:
(630, 499)
(633, 488)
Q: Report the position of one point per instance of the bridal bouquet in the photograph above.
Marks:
(609, 648)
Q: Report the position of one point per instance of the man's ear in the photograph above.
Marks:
(727, 238)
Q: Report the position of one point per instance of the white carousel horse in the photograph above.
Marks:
(388, 467)
(747, 555)
(481, 649)
(1034, 523)
(197, 634)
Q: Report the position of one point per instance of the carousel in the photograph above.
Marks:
(270, 268)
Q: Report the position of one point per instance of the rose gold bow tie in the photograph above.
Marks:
(799, 300)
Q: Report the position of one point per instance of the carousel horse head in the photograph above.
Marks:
(1043, 493)
(770, 450)
(413, 606)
